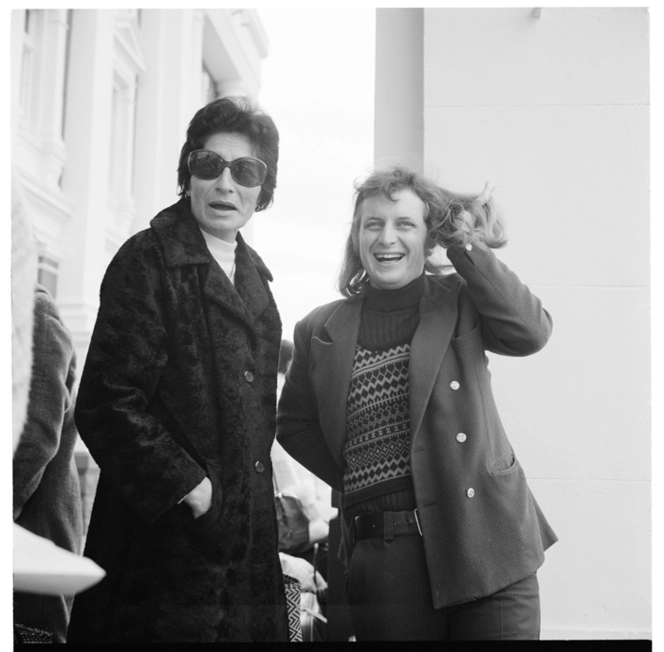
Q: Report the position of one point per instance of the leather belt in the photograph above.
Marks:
(386, 525)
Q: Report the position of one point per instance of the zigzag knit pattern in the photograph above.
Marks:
(377, 449)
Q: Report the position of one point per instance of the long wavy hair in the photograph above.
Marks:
(451, 219)
(235, 115)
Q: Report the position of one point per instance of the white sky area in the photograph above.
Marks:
(318, 86)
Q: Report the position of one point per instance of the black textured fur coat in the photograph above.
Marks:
(179, 384)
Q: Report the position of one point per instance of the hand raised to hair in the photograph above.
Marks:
(474, 223)
(486, 194)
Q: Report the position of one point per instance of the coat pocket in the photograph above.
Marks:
(185, 517)
(204, 522)
(506, 464)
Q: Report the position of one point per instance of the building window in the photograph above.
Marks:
(128, 63)
(47, 274)
(122, 138)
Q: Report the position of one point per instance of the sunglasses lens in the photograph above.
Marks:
(208, 165)
(205, 165)
(249, 171)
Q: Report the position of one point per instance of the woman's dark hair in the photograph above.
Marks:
(451, 218)
(235, 115)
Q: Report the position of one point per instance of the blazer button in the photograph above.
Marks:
(454, 384)
(248, 376)
(259, 467)
(470, 493)
(461, 437)
(469, 247)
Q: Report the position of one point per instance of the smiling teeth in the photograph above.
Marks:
(387, 257)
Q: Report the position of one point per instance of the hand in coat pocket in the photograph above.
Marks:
(199, 498)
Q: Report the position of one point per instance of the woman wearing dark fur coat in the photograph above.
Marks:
(177, 406)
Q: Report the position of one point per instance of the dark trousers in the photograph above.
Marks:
(390, 600)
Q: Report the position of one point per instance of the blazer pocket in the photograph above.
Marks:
(316, 342)
(468, 338)
(319, 354)
(506, 464)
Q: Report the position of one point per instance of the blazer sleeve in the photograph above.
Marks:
(512, 318)
(129, 350)
(51, 397)
(298, 424)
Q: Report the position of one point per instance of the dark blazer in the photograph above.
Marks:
(179, 384)
(47, 493)
(482, 527)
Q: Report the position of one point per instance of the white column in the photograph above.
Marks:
(86, 175)
(165, 105)
(399, 113)
(197, 27)
(17, 21)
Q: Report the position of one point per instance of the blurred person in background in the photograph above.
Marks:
(291, 477)
(177, 406)
(46, 489)
(304, 509)
(388, 399)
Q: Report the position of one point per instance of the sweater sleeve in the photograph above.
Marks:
(512, 318)
(128, 352)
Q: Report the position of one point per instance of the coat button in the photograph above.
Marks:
(259, 467)
(470, 493)
(469, 247)
(248, 376)
(461, 437)
(454, 384)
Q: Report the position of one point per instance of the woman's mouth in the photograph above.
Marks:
(223, 206)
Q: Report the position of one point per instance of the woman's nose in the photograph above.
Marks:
(225, 180)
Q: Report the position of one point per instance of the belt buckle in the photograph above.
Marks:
(417, 522)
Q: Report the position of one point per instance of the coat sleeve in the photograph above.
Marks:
(128, 352)
(298, 424)
(51, 398)
(512, 318)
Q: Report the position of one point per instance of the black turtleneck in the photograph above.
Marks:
(390, 317)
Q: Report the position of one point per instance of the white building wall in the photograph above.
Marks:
(555, 111)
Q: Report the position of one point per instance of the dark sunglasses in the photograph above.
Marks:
(207, 165)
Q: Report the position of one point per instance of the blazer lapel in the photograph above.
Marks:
(438, 312)
(332, 366)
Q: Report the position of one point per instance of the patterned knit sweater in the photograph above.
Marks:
(377, 449)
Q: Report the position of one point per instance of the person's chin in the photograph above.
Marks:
(387, 281)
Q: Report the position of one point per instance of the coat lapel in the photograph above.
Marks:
(183, 244)
(438, 313)
(249, 274)
(332, 366)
